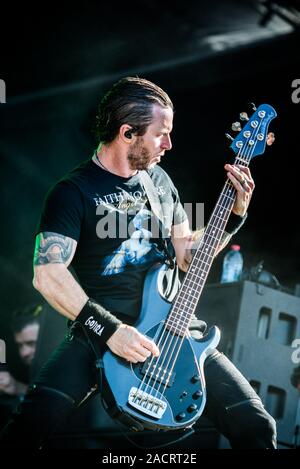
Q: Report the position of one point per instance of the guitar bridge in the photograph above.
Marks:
(146, 403)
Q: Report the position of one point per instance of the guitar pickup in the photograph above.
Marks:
(158, 373)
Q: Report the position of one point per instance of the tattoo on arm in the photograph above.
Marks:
(53, 248)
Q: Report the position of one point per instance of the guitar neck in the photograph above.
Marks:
(189, 294)
(250, 142)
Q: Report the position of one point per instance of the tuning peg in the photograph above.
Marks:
(244, 116)
(252, 106)
(229, 137)
(236, 126)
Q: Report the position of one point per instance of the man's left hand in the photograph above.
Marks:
(241, 178)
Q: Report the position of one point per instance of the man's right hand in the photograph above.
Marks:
(127, 342)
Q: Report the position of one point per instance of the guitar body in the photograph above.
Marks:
(182, 401)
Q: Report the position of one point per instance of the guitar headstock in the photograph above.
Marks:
(251, 139)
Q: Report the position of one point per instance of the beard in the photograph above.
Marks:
(138, 156)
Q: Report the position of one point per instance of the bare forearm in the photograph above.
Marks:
(58, 286)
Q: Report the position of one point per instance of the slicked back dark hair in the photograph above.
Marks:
(129, 101)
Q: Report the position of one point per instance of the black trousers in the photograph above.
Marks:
(70, 374)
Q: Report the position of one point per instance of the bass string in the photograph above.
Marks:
(168, 333)
(159, 364)
(251, 150)
(163, 353)
(247, 160)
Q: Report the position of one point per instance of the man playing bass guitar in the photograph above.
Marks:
(133, 127)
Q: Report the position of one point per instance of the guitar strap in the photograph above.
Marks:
(160, 216)
(156, 206)
(171, 282)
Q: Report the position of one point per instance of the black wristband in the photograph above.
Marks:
(234, 223)
(99, 323)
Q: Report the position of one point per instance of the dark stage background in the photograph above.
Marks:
(211, 57)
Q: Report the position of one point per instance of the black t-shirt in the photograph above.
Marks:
(93, 207)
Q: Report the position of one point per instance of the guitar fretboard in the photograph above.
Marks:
(189, 294)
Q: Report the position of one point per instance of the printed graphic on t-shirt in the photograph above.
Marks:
(125, 199)
(136, 250)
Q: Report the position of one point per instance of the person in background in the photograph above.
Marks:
(25, 327)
